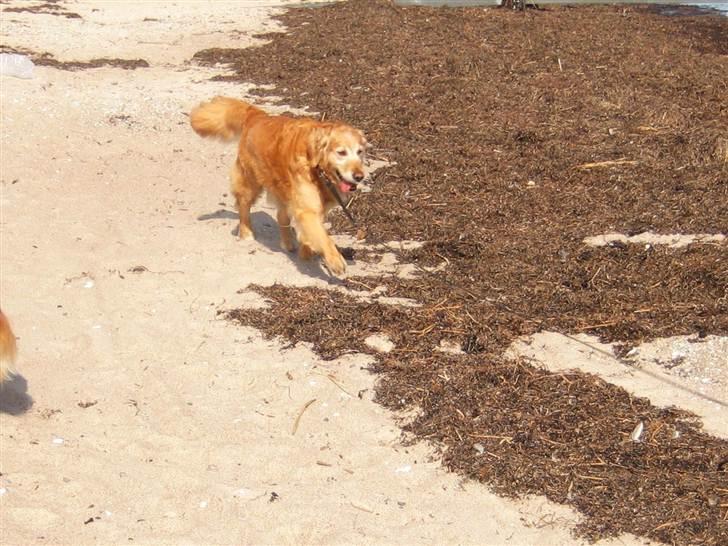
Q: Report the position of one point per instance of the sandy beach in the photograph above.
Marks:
(138, 415)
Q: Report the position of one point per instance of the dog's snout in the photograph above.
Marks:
(358, 176)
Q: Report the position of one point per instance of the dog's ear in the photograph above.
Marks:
(318, 143)
(364, 141)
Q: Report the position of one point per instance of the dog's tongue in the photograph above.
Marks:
(346, 187)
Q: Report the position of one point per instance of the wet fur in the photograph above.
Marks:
(281, 155)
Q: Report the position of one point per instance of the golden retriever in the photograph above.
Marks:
(290, 158)
(8, 349)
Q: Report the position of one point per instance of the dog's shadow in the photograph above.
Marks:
(267, 234)
(14, 397)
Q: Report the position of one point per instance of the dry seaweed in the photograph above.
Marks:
(46, 59)
(47, 8)
(515, 136)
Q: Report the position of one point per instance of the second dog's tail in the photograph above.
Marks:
(7, 349)
(222, 117)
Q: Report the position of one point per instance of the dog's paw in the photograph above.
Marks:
(288, 246)
(336, 264)
(245, 233)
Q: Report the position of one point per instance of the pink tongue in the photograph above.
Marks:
(344, 186)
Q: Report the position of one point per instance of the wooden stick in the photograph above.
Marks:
(300, 413)
(335, 382)
(594, 326)
(589, 477)
(621, 161)
(506, 438)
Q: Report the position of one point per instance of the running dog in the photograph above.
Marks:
(300, 162)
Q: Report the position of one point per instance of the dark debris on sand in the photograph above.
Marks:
(45, 8)
(515, 136)
(46, 59)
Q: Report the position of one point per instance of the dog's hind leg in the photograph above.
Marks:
(246, 190)
(284, 225)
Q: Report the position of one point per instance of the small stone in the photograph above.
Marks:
(637, 432)
(379, 343)
(450, 347)
(247, 494)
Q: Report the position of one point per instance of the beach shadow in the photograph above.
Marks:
(220, 214)
(266, 232)
(14, 397)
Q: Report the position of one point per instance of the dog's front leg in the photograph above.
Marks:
(313, 235)
(305, 252)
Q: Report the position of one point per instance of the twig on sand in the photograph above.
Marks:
(300, 413)
(362, 508)
(331, 378)
(360, 284)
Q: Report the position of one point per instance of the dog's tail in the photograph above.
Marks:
(8, 349)
(222, 117)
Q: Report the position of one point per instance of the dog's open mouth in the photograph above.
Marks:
(344, 186)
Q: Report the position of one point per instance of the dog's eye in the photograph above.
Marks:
(359, 151)
(341, 153)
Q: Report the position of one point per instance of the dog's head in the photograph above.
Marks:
(340, 151)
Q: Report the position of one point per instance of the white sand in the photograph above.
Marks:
(155, 422)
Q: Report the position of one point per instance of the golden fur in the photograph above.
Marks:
(8, 349)
(282, 155)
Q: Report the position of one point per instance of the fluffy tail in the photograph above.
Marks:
(222, 117)
(7, 349)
